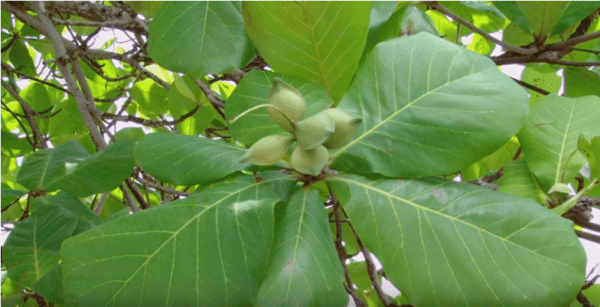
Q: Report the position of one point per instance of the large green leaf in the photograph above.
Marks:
(209, 249)
(429, 107)
(199, 37)
(186, 159)
(33, 246)
(254, 90)
(456, 244)
(319, 41)
(304, 269)
(549, 136)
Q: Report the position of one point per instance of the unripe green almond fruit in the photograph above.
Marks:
(310, 161)
(268, 150)
(345, 126)
(289, 101)
(312, 132)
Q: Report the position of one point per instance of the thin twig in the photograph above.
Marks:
(150, 123)
(39, 139)
(531, 87)
(162, 188)
(341, 251)
(573, 41)
(128, 199)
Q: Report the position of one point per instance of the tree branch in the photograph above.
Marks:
(212, 97)
(438, 7)
(63, 60)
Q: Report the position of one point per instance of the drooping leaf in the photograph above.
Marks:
(513, 12)
(549, 136)
(41, 168)
(452, 248)
(209, 249)
(101, 172)
(199, 37)
(186, 159)
(254, 90)
(33, 246)
(70, 206)
(430, 107)
(20, 58)
(319, 41)
(573, 13)
(303, 269)
(518, 180)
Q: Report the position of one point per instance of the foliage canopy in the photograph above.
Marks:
(122, 180)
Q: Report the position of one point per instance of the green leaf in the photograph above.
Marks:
(429, 107)
(14, 146)
(37, 96)
(254, 90)
(186, 159)
(542, 15)
(101, 172)
(150, 97)
(209, 249)
(385, 23)
(573, 13)
(199, 37)
(68, 121)
(483, 7)
(33, 246)
(50, 286)
(132, 134)
(511, 10)
(146, 8)
(581, 82)
(549, 136)
(518, 180)
(592, 294)
(452, 248)
(591, 152)
(41, 168)
(319, 41)
(68, 167)
(20, 58)
(304, 268)
(415, 21)
(541, 76)
(70, 206)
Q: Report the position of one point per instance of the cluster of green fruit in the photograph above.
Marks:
(329, 129)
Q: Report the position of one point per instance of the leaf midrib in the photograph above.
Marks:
(454, 219)
(409, 104)
(176, 232)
